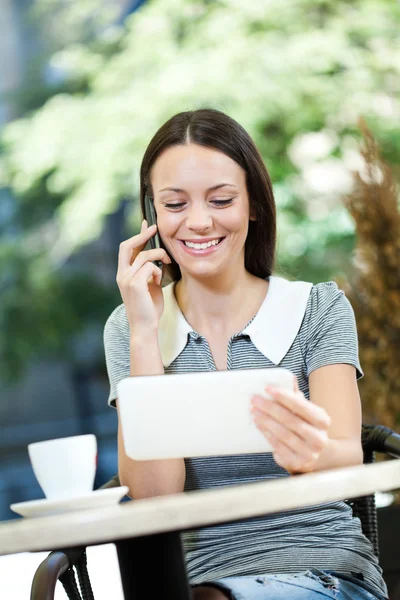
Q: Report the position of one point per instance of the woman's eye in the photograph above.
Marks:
(222, 202)
(215, 202)
(179, 205)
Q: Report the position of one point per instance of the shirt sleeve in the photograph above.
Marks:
(116, 347)
(331, 333)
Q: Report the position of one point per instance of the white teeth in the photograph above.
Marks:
(202, 246)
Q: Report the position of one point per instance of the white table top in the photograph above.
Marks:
(194, 509)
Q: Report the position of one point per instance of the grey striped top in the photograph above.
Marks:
(300, 327)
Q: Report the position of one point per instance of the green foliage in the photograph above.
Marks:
(296, 74)
(42, 312)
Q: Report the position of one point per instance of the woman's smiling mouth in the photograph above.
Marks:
(202, 246)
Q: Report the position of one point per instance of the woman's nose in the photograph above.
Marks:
(198, 219)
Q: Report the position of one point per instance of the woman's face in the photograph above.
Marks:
(202, 207)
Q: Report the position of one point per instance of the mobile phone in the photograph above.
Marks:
(151, 218)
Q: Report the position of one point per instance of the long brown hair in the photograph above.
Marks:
(214, 129)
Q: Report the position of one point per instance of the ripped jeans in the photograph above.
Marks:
(312, 584)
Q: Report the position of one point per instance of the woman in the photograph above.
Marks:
(224, 310)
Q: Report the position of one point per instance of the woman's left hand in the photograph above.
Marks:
(296, 428)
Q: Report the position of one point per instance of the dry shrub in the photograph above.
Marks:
(374, 290)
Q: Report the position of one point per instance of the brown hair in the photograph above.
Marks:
(214, 129)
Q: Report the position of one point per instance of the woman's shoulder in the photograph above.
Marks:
(328, 308)
(315, 298)
(319, 303)
(324, 294)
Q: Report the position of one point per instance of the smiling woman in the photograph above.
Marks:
(198, 219)
(219, 164)
(226, 310)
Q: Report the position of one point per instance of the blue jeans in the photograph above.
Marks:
(312, 584)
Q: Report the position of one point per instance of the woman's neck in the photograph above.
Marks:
(222, 305)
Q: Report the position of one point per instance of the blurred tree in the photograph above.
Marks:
(374, 289)
(295, 74)
(45, 303)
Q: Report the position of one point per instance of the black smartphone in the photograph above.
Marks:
(151, 218)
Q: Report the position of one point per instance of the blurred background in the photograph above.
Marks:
(83, 88)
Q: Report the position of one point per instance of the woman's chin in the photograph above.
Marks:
(201, 270)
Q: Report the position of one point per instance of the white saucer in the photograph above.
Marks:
(45, 507)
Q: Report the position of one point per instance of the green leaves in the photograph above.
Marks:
(284, 70)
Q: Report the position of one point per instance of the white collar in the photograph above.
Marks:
(272, 330)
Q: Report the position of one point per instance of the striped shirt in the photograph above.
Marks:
(300, 327)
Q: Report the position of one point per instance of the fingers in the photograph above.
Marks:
(132, 258)
(296, 403)
(306, 443)
(148, 256)
(279, 420)
(136, 273)
(296, 428)
(288, 459)
(129, 249)
(149, 272)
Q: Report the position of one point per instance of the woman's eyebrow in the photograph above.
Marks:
(214, 187)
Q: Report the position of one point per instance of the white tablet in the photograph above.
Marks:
(194, 414)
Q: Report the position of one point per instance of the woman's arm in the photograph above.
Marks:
(139, 281)
(151, 477)
(334, 388)
(321, 433)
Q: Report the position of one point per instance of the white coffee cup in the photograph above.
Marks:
(65, 467)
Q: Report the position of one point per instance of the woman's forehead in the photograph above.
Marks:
(191, 164)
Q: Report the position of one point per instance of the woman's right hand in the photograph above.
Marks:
(139, 280)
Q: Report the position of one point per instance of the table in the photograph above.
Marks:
(149, 530)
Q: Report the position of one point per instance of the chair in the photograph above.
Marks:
(62, 564)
